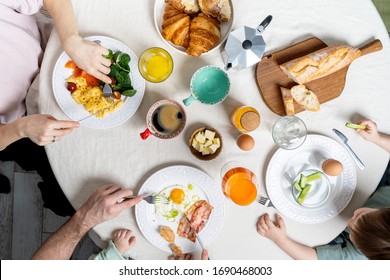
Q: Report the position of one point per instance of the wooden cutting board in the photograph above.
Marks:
(270, 77)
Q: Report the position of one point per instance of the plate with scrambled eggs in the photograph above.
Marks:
(184, 186)
(87, 100)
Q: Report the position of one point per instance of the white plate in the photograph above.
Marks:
(286, 164)
(159, 8)
(76, 111)
(204, 186)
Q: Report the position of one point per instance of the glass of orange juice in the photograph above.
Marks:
(239, 183)
(155, 65)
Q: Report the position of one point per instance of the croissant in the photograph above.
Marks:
(186, 6)
(176, 26)
(204, 34)
(219, 9)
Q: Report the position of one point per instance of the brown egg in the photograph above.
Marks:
(245, 142)
(332, 167)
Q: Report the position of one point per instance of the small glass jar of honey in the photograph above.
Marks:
(245, 118)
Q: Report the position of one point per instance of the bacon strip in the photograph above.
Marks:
(197, 214)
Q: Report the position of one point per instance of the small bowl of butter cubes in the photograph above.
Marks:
(205, 143)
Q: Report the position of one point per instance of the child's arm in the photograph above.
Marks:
(372, 134)
(277, 233)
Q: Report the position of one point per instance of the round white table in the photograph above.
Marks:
(89, 158)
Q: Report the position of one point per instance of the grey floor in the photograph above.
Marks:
(24, 223)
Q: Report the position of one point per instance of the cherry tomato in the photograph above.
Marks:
(91, 80)
(71, 87)
(70, 64)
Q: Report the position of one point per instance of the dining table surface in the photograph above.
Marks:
(89, 158)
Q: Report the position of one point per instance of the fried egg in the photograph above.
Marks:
(180, 198)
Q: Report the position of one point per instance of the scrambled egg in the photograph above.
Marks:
(92, 98)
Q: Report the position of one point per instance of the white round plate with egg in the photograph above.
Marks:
(77, 112)
(285, 165)
(159, 8)
(167, 179)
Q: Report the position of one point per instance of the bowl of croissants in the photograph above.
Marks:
(193, 27)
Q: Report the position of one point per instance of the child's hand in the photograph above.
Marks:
(371, 132)
(123, 240)
(273, 231)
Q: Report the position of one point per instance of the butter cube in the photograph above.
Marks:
(217, 142)
(194, 143)
(200, 137)
(205, 152)
(209, 134)
(213, 148)
(208, 143)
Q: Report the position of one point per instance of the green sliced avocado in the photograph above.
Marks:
(314, 176)
(296, 186)
(302, 196)
(302, 181)
(355, 126)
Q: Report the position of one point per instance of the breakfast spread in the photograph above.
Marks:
(194, 25)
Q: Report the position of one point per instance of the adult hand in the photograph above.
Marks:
(89, 56)
(204, 256)
(44, 129)
(106, 203)
(182, 257)
(371, 132)
(273, 231)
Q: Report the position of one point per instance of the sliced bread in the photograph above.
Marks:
(305, 98)
(288, 101)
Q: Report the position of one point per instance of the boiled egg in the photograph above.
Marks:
(332, 167)
(245, 142)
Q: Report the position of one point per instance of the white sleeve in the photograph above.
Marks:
(26, 7)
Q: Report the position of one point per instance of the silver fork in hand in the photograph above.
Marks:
(151, 199)
(265, 201)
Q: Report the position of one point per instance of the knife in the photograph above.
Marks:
(344, 139)
(196, 235)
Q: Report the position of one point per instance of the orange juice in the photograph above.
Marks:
(240, 185)
(245, 118)
(155, 65)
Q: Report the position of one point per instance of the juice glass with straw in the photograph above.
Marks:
(239, 183)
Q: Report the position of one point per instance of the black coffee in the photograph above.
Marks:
(167, 119)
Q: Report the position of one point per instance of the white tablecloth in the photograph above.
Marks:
(89, 158)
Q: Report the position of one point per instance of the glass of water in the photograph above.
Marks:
(289, 132)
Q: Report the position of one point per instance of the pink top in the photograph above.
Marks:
(20, 55)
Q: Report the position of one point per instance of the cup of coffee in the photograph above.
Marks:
(165, 119)
(209, 85)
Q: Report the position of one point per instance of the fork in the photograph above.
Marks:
(151, 199)
(265, 201)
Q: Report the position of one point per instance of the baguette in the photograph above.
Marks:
(305, 98)
(319, 63)
(288, 101)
